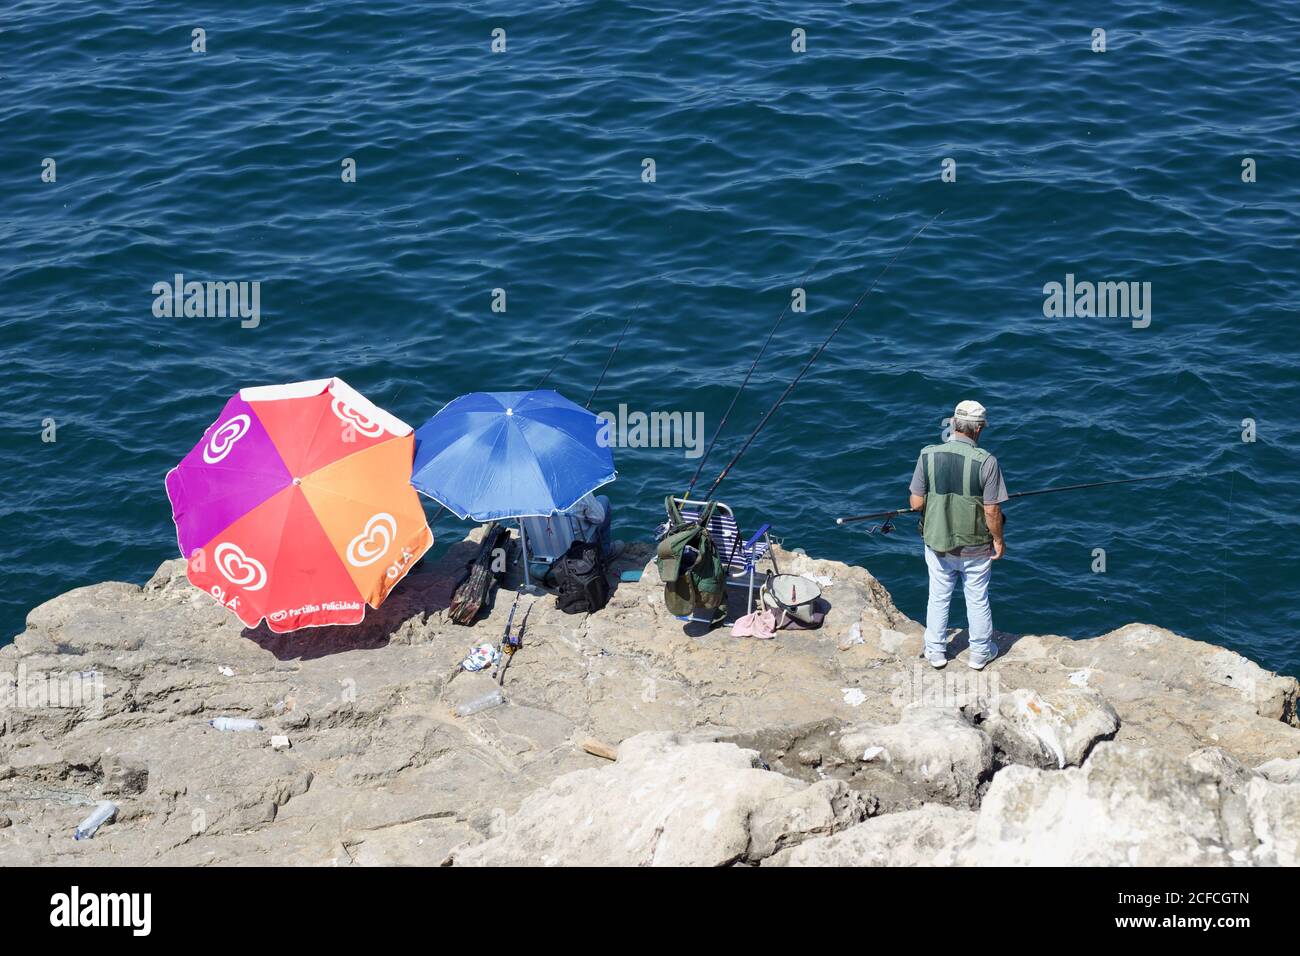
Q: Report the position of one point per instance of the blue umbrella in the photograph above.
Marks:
(491, 455)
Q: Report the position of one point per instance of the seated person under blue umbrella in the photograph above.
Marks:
(588, 520)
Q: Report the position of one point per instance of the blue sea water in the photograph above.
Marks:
(522, 170)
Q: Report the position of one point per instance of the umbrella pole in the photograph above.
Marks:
(523, 556)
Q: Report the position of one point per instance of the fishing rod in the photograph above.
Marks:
(610, 357)
(887, 515)
(813, 358)
(722, 423)
(511, 642)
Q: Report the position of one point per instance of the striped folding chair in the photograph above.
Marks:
(739, 557)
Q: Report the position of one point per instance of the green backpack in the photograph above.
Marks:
(688, 583)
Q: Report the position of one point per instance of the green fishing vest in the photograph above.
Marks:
(954, 498)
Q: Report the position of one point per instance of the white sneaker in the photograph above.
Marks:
(978, 663)
(937, 659)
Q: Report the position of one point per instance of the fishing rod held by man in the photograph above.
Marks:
(878, 515)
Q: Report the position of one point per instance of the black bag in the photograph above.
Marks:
(579, 579)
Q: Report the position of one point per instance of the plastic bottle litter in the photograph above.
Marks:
(234, 723)
(477, 704)
(104, 811)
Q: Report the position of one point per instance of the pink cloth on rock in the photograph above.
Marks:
(760, 624)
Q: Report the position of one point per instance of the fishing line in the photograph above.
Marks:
(1223, 609)
(813, 358)
(610, 358)
(565, 354)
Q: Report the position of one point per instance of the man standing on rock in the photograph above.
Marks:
(959, 489)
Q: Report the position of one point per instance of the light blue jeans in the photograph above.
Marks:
(974, 573)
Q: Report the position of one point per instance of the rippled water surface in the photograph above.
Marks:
(523, 171)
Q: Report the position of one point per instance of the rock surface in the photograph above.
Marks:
(1049, 730)
(1130, 806)
(935, 749)
(1281, 771)
(109, 692)
(907, 838)
(668, 801)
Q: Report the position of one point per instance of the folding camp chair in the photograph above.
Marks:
(740, 558)
(534, 558)
(539, 553)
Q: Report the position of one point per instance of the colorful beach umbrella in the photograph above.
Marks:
(491, 455)
(296, 506)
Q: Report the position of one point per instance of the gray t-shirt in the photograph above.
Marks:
(995, 490)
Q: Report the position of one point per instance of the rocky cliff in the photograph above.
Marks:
(837, 746)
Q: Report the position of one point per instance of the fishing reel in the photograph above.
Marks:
(885, 527)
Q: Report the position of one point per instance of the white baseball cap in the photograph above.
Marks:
(970, 411)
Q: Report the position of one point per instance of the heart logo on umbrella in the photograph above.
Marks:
(373, 542)
(223, 438)
(238, 568)
(350, 416)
